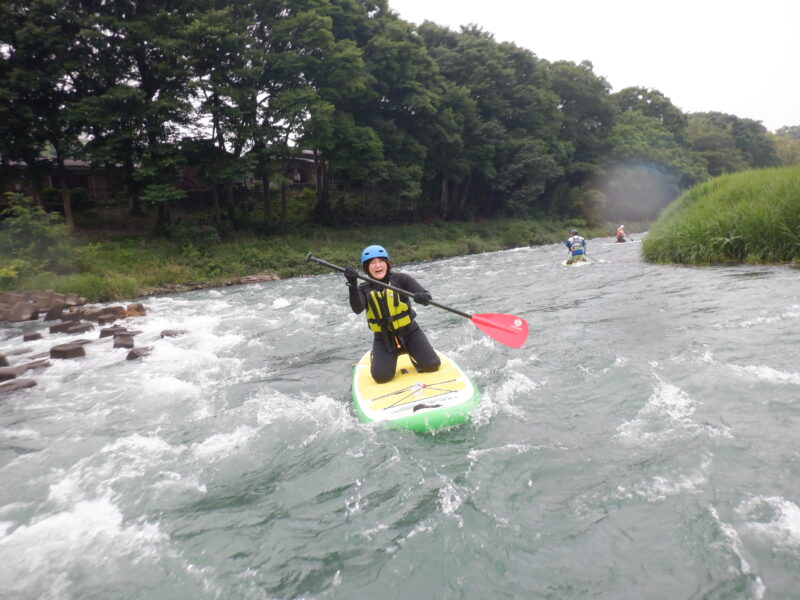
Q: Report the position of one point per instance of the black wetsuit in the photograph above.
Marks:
(387, 345)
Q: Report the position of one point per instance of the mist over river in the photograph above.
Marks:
(643, 443)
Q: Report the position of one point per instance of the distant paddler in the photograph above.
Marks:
(621, 233)
(576, 246)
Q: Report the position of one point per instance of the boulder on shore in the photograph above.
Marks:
(23, 311)
(71, 350)
(27, 305)
(123, 340)
(139, 352)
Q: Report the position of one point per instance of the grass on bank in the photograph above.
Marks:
(124, 266)
(748, 217)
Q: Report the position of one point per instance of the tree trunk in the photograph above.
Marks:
(266, 195)
(134, 188)
(283, 203)
(443, 203)
(465, 195)
(163, 218)
(35, 179)
(215, 200)
(65, 199)
(322, 207)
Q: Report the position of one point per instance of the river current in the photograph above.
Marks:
(643, 443)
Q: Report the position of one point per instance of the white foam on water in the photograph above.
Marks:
(166, 388)
(757, 372)
(221, 445)
(5, 527)
(516, 386)
(668, 411)
(450, 501)
(370, 533)
(735, 542)
(280, 303)
(474, 455)
(773, 518)
(466, 344)
(792, 312)
(353, 503)
(40, 556)
(273, 407)
(521, 362)
(170, 480)
(126, 458)
(768, 374)
(661, 487)
(20, 434)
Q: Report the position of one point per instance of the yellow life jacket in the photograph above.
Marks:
(386, 309)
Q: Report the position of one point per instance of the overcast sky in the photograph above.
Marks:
(740, 58)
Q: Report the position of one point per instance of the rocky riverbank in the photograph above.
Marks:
(67, 314)
(67, 318)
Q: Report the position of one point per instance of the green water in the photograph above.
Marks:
(642, 444)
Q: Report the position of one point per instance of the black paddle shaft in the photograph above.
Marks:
(325, 263)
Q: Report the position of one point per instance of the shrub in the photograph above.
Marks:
(194, 234)
(39, 241)
(751, 217)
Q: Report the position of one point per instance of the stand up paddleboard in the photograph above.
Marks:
(412, 400)
(580, 263)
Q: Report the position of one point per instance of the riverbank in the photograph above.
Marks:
(129, 267)
(752, 217)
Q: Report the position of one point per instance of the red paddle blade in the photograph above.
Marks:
(506, 329)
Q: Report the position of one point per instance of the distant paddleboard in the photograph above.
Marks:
(412, 400)
(620, 243)
(581, 263)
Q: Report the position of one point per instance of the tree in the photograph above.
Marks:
(715, 145)
(653, 103)
(401, 104)
(515, 152)
(225, 69)
(787, 149)
(792, 132)
(587, 113)
(731, 144)
(586, 121)
(141, 98)
(647, 167)
(755, 143)
(41, 72)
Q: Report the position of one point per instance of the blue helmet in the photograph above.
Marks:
(371, 252)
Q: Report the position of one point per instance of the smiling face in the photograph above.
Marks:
(378, 268)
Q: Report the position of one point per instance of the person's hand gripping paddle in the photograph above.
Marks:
(509, 330)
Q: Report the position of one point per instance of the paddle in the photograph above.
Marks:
(506, 329)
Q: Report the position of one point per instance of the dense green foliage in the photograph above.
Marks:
(749, 217)
(124, 268)
(401, 122)
(31, 241)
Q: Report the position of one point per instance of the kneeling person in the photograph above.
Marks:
(390, 315)
(576, 246)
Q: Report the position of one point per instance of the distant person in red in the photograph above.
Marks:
(621, 233)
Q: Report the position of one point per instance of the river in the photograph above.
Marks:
(643, 443)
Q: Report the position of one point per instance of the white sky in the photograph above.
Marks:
(736, 57)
